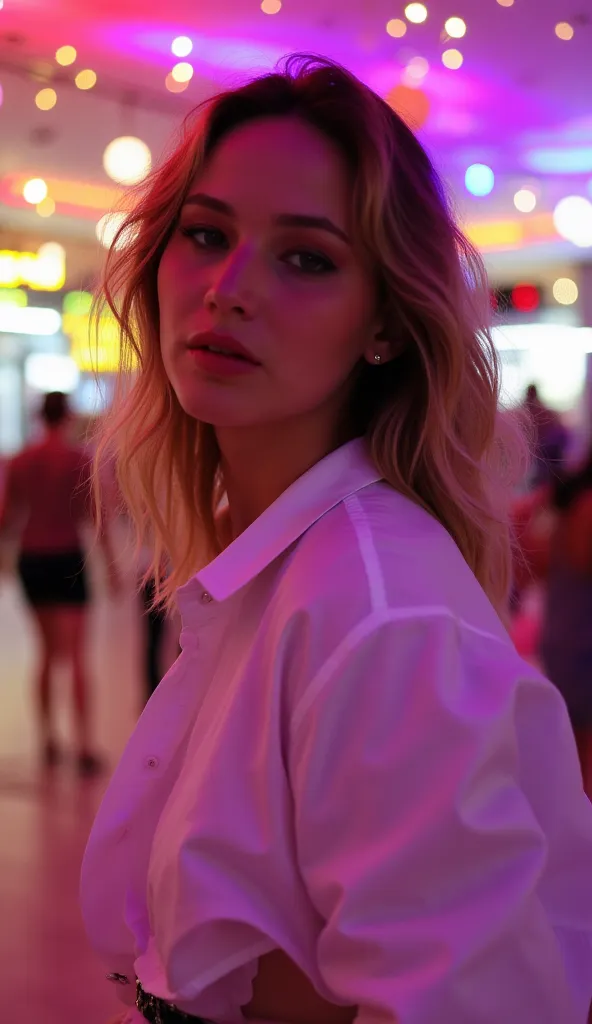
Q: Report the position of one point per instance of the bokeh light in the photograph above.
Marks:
(34, 191)
(46, 99)
(525, 298)
(416, 13)
(452, 59)
(181, 46)
(271, 6)
(46, 208)
(506, 3)
(86, 79)
(479, 179)
(573, 220)
(127, 160)
(525, 200)
(107, 229)
(456, 28)
(396, 28)
(182, 72)
(565, 291)
(66, 55)
(563, 30)
(174, 86)
(416, 71)
(412, 105)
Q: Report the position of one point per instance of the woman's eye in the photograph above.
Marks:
(310, 262)
(206, 238)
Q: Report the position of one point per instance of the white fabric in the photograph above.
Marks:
(348, 761)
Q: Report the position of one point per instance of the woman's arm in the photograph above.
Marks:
(442, 831)
(11, 504)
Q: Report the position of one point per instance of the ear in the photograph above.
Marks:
(382, 349)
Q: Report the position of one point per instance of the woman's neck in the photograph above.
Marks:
(259, 464)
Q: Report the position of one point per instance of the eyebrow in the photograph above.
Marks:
(291, 220)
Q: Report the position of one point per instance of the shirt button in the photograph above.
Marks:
(118, 979)
(152, 762)
(206, 598)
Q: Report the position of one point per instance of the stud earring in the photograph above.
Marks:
(377, 357)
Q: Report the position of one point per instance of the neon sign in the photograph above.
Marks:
(43, 271)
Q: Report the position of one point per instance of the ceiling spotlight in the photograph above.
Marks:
(506, 3)
(456, 28)
(181, 46)
(563, 30)
(174, 86)
(396, 28)
(46, 208)
(565, 291)
(182, 72)
(479, 179)
(46, 99)
(525, 200)
(86, 79)
(127, 160)
(415, 72)
(66, 55)
(416, 13)
(271, 6)
(573, 220)
(452, 59)
(35, 191)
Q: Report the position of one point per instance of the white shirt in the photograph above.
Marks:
(348, 761)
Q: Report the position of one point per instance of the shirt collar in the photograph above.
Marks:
(340, 474)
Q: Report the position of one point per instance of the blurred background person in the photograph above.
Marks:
(46, 500)
(549, 436)
(566, 629)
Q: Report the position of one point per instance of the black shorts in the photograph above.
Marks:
(53, 578)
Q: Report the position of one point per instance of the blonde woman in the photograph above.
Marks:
(349, 800)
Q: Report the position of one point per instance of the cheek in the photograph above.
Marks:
(331, 326)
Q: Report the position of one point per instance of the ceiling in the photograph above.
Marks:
(521, 102)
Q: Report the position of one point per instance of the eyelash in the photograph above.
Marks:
(327, 266)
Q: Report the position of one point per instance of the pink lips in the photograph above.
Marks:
(221, 355)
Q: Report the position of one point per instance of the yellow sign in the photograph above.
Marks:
(93, 351)
(42, 271)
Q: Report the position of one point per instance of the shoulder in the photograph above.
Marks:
(377, 550)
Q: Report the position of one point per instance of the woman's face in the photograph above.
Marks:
(261, 268)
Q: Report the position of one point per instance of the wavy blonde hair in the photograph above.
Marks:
(430, 416)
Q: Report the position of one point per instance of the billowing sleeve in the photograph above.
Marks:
(441, 830)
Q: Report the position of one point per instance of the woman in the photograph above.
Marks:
(566, 631)
(349, 799)
(45, 502)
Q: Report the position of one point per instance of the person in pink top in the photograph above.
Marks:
(349, 800)
(45, 501)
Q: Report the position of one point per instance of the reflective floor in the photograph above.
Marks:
(47, 973)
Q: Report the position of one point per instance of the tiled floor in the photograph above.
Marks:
(47, 973)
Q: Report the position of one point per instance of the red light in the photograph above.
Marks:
(525, 298)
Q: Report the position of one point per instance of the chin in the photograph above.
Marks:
(220, 410)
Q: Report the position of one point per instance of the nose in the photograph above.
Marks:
(236, 283)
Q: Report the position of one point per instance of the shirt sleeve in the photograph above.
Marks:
(412, 757)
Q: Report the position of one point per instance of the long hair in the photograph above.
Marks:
(430, 416)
